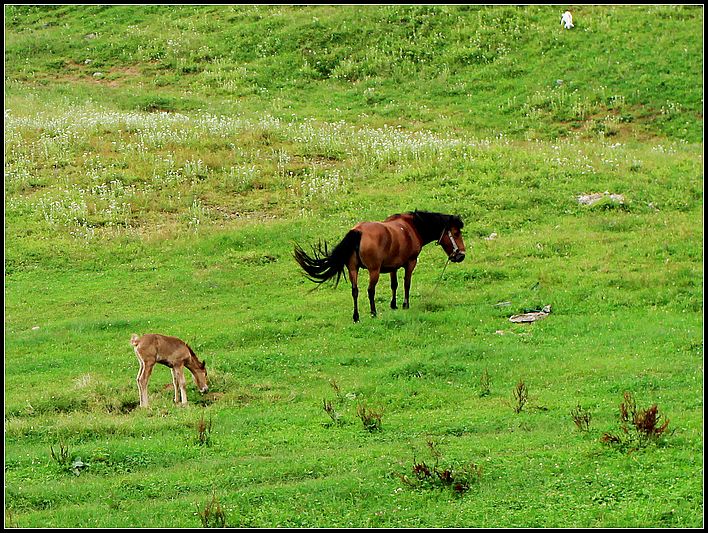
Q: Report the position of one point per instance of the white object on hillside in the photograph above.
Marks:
(567, 20)
(531, 317)
(590, 199)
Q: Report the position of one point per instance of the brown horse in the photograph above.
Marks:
(154, 348)
(384, 247)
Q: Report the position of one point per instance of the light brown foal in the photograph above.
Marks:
(154, 348)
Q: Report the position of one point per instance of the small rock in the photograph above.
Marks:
(531, 317)
(591, 199)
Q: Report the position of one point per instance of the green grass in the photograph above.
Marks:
(166, 195)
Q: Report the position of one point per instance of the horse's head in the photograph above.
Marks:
(451, 240)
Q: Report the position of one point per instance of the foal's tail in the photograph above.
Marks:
(325, 265)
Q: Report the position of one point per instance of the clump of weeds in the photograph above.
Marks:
(458, 479)
(204, 428)
(63, 457)
(10, 518)
(371, 418)
(581, 418)
(521, 396)
(638, 427)
(330, 410)
(337, 390)
(485, 383)
(333, 408)
(213, 514)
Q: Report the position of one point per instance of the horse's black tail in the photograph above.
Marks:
(325, 265)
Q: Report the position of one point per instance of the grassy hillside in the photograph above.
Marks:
(160, 164)
(506, 70)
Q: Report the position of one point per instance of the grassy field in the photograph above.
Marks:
(160, 165)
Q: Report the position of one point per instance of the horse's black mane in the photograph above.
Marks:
(430, 225)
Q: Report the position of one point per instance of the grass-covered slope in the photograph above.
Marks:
(502, 70)
(160, 163)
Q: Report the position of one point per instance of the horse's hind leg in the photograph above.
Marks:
(407, 282)
(373, 280)
(394, 287)
(354, 277)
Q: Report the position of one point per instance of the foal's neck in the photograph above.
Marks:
(193, 364)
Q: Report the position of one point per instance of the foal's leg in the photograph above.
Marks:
(138, 380)
(373, 280)
(394, 287)
(143, 378)
(178, 373)
(354, 277)
(407, 282)
(175, 383)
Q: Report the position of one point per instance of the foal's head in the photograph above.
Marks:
(199, 372)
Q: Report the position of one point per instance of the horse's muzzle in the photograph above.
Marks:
(458, 257)
(204, 389)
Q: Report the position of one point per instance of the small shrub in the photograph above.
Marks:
(457, 479)
(213, 515)
(337, 390)
(521, 396)
(638, 427)
(62, 456)
(369, 417)
(582, 418)
(204, 431)
(333, 414)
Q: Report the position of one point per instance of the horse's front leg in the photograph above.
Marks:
(354, 278)
(373, 280)
(407, 282)
(394, 288)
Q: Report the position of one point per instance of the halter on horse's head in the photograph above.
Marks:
(445, 230)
